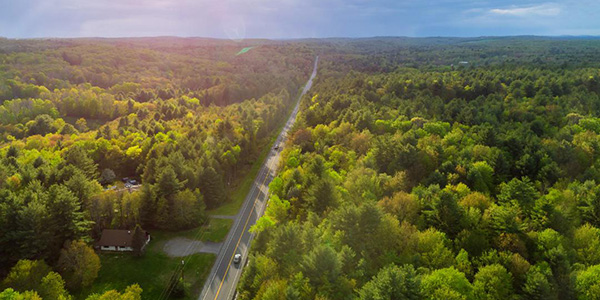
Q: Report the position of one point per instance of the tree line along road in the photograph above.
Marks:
(224, 275)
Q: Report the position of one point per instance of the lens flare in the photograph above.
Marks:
(234, 27)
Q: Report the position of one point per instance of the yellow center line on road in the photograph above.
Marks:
(262, 184)
(242, 234)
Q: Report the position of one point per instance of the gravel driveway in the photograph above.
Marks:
(179, 247)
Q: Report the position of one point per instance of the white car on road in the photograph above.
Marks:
(237, 259)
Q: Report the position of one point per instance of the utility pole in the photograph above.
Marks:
(182, 265)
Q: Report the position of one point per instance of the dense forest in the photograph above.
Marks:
(438, 169)
(183, 117)
(456, 168)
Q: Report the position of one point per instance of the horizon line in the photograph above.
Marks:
(296, 38)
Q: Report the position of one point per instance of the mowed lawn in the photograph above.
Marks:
(215, 231)
(153, 271)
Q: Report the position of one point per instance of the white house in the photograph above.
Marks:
(118, 240)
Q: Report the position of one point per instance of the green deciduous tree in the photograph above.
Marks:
(277, 209)
(433, 251)
(79, 265)
(53, 287)
(42, 125)
(463, 263)
(586, 242)
(259, 271)
(493, 282)
(520, 191)
(68, 129)
(132, 292)
(107, 177)
(481, 177)
(447, 282)
(10, 294)
(26, 275)
(393, 282)
(402, 205)
(587, 283)
(538, 283)
(81, 125)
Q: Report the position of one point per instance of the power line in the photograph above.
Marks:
(179, 267)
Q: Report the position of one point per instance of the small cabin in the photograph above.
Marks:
(118, 240)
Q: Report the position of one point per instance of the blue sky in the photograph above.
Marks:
(239, 19)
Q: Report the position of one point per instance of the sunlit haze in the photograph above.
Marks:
(238, 19)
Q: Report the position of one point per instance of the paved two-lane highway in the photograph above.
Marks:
(223, 278)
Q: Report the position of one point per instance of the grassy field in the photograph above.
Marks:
(153, 270)
(215, 231)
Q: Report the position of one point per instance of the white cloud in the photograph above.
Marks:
(548, 9)
(237, 19)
